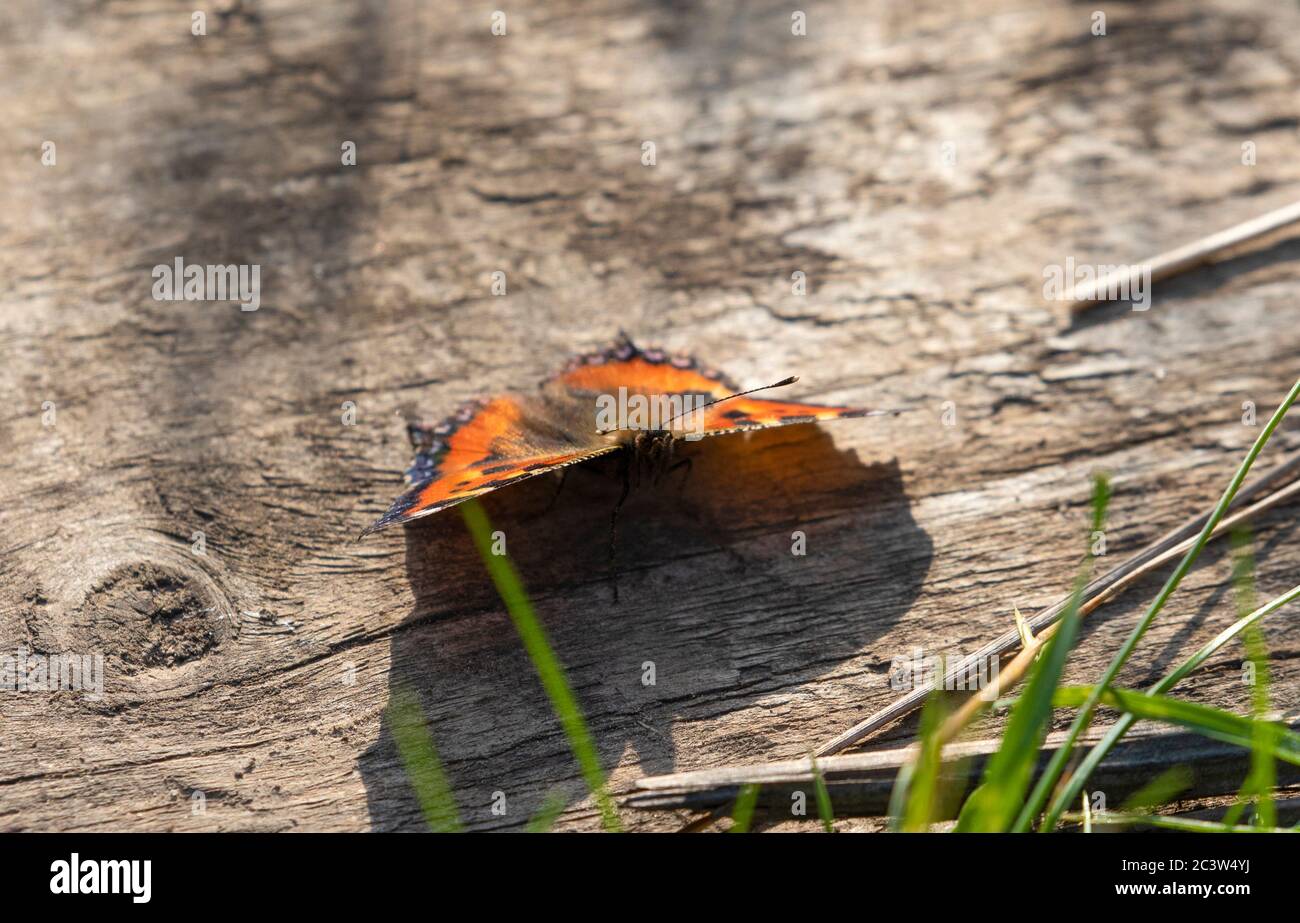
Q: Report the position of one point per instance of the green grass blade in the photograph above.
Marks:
(420, 757)
(1216, 723)
(1160, 790)
(544, 660)
(1102, 747)
(1262, 778)
(1223, 637)
(993, 806)
(1068, 792)
(743, 814)
(546, 816)
(1181, 824)
(921, 781)
(823, 795)
(900, 794)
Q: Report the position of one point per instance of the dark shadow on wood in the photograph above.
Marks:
(712, 596)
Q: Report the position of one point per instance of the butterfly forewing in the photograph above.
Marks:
(747, 413)
(493, 443)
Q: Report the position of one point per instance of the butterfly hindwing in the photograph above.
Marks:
(484, 446)
(648, 371)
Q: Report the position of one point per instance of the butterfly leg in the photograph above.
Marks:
(559, 487)
(682, 463)
(613, 527)
(660, 457)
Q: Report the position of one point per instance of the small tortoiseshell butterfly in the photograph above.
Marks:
(490, 443)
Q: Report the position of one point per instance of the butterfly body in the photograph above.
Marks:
(492, 443)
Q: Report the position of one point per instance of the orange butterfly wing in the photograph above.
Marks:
(490, 444)
(648, 371)
(652, 371)
(747, 413)
(482, 447)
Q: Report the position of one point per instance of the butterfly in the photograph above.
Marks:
(492, 443)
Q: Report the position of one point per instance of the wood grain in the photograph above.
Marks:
(861, 783)
(259, 673)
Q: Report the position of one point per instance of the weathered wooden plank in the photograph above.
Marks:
(861, 783)
(1270, 489)
(259, 672)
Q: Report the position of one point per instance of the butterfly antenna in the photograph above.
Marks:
(779, 384)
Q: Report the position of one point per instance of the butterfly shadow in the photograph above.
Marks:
(779, 558)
